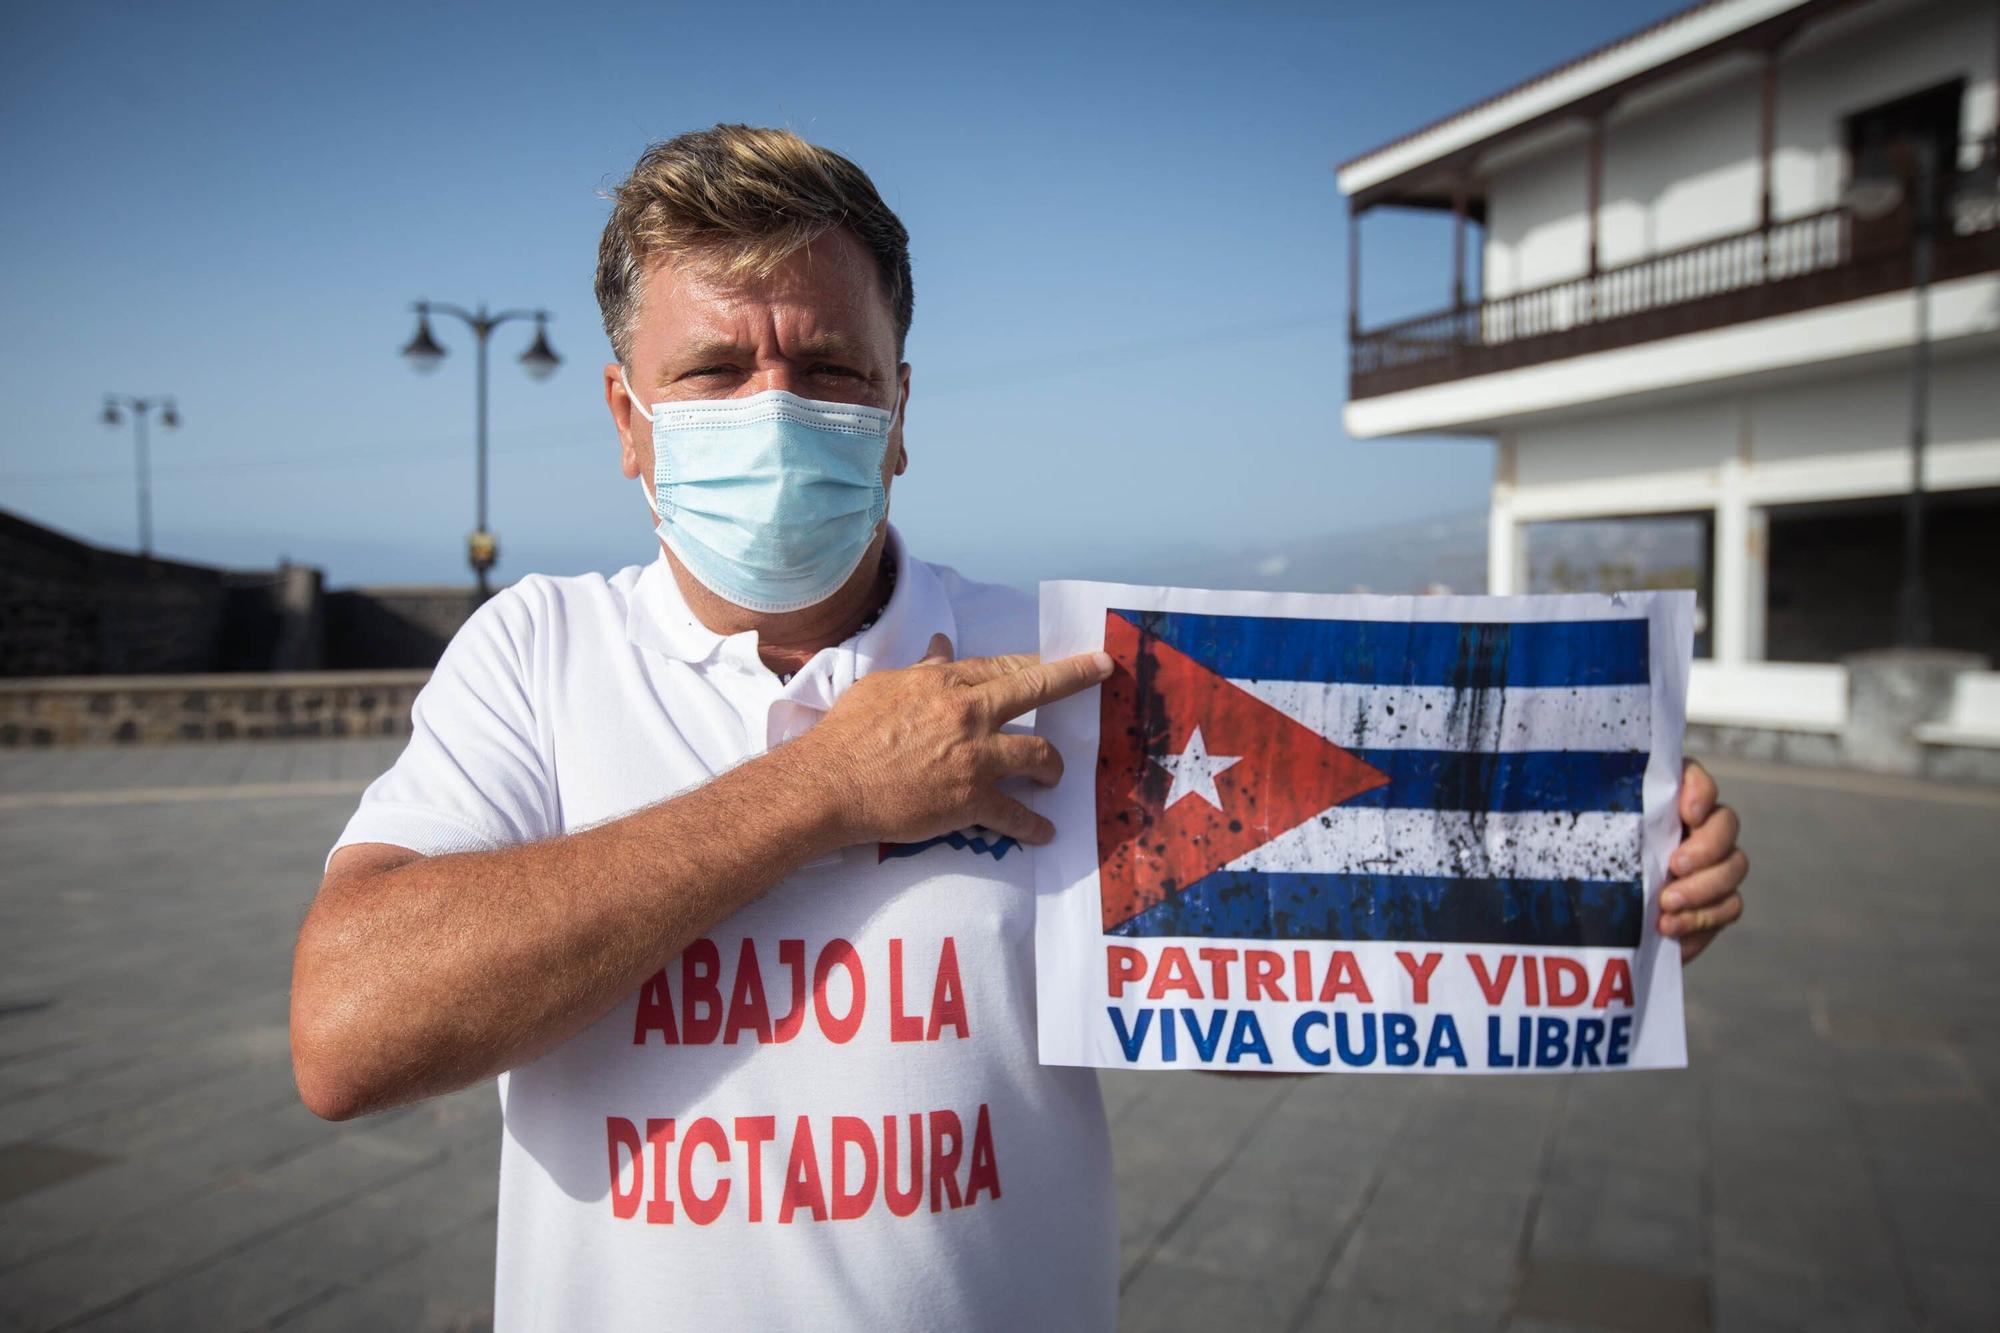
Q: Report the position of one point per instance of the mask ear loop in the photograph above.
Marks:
(633, 396)
(645, 483)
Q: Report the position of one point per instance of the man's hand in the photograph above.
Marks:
(1707, 868)
(916, 753)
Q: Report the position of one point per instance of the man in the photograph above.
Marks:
(721, 863)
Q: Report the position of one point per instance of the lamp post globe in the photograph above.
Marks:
(423, 351)
(540, 360)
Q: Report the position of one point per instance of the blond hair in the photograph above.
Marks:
(745, 199)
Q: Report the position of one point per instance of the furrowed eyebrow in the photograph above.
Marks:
(706, 351)
(709, 351)
(832, 345)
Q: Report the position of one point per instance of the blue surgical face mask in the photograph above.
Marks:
(770, 501)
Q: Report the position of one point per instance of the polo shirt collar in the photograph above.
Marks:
(658, 619)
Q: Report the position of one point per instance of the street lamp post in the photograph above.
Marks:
(1913, 601)
(539, 361)
(115, 406)
(1875, 192)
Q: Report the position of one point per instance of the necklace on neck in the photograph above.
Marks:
(888, 591)
(888, 581)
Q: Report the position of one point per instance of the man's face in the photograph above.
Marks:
(818, 327)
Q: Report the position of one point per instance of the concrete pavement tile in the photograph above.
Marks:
(1247, 1231)
(1355, 1098)
(1418, 1203)
(1951, 1225)
(29, 1168)
(130, 1256)
(1371, 1091)
(1170, 1299)
(1144, 1218)
(1361, 1312)
(1832, 1244)
(1589, 1291)
(348, 1244)
(1289, 1151)
(1920, 1068)
(200, 1156)
(1461, 1275)
(1981, 1053)
(1750, 1297)
(1580, 1161)
(146, 1086)
(468, 1119)
(1959, 1294)
(1133, 1255)
(446, 1287)
(1792, 1163)
(264, 763)
(1940, 1145)
(67, 1069)
(1621, 1225)
(1123, 1091)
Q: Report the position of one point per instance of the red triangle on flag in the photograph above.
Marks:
(1158, 830)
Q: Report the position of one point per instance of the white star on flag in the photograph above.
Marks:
(1193, 771)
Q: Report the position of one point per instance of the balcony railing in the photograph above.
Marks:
(1794, 265)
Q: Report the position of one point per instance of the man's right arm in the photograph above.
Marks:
(416, 975)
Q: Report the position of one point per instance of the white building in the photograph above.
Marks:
(1673, 314)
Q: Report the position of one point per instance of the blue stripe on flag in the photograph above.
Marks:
(1475, 656)
(1417, 909)
(1514, 780)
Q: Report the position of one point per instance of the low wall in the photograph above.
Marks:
(370, 629)
(1934, 715)
(85, 710)
(1806, 697)
(1791, 713)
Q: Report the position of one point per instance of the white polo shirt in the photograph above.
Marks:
(828, 1113)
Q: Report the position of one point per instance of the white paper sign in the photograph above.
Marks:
(1380, 834)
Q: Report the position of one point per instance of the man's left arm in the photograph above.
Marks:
(1707, 869)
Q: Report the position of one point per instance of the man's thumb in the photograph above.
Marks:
(939, 651)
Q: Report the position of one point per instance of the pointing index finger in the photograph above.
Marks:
(979, 670)
(1040, 683)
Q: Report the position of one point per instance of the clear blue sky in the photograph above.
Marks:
(1128, 243)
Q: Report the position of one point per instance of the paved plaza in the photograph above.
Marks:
(1830, 1161)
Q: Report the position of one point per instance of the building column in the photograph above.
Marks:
(1506, 539)
(1767, 137)
(1741, 545)
(1353, 271)
(1458, 243)
(1593, 207)
(1594, 199)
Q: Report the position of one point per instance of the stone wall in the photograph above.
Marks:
(68, 608)
(85, 710)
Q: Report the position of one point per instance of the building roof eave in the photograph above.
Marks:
(1593, 80)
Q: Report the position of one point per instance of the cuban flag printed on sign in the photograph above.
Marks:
(1371, 834)
(1372, 780)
